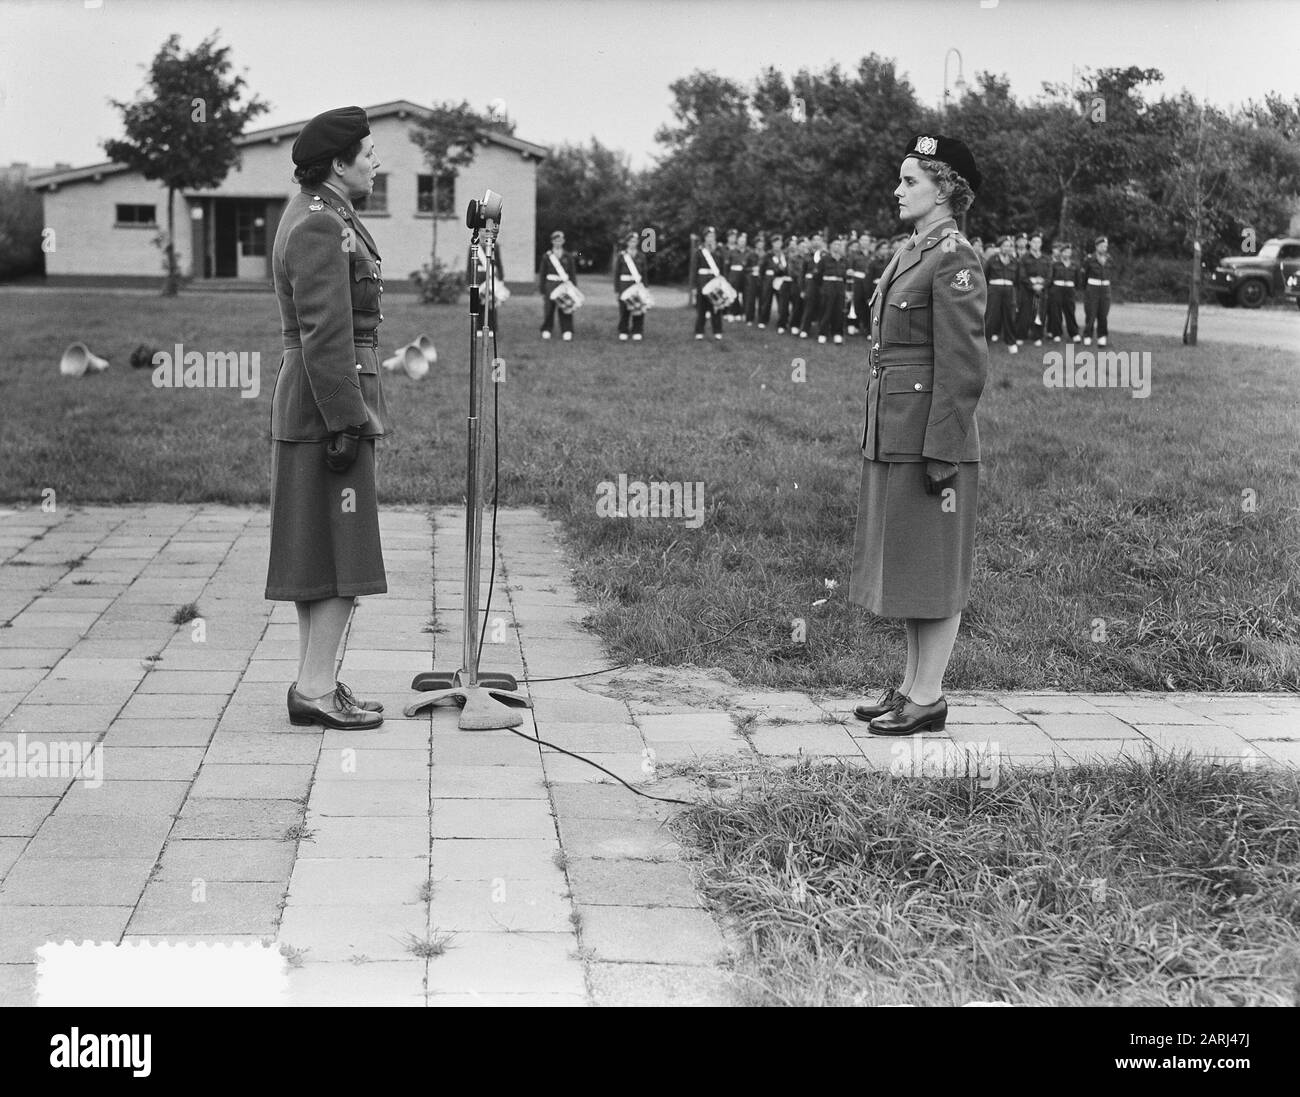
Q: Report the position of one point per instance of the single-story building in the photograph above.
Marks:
(105, 216)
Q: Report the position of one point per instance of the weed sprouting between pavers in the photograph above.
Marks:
(1165, 881)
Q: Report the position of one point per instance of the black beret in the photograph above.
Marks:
(950, 151)
(329, 134)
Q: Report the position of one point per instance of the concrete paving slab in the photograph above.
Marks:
(237, 818)
(302, 747)
(506, 904)
(485, 818)
(117, 797)
(372, 932)
(382, 983)
(606, 838)
(370, 799)
(151, 763)
(128, 836)
(160, 733)
(496, 858)
(382, 881)
(487, 782)
(651, 935)
(335, 837)
(493, 963)
(94, 882)
(1100, 725)
(248, 860)
(27, 928)
(214, 906)
(626, 882)
(633, 984)
(252, 781)
(81, 721)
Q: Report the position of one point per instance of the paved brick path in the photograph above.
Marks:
(417, 863)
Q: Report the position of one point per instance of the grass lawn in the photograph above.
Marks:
(1166, 881)
(1115, 547)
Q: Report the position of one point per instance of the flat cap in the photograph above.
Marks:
(329, 134)
(950, 151)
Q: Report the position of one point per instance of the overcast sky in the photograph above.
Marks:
(568, 70)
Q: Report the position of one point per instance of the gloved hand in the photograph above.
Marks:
(341, 449)
(939, 475)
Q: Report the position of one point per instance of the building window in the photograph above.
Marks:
(377, 200)
(446, 194)
(137, 215)
(250, 228)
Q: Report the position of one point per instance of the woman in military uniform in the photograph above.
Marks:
(326, 412)
(914, 541)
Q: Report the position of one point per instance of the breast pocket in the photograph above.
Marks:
(905, 408)
(907, 318)
(366, 285)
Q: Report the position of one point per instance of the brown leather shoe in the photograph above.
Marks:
(333, 710)
(887, 701)
(907, 718)
(369, 706)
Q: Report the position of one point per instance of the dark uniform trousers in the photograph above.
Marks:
(811, 295)
(753, 281)
(858, 274)
(1060, 301)
(1000, 313)
(1096, 297)
(736, 276)
(547, 279)
(793, 291)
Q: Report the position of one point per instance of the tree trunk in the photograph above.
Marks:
(1193, 297)
(1065, 211)
(433, 259)
(170, 282)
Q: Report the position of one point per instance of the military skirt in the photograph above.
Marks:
(324, 525)
(912, 551)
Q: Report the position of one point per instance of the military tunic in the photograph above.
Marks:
(324, 524)
(913, 552)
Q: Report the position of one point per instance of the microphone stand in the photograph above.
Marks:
(488, 700)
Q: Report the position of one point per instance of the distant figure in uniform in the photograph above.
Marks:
(629, 270)
(1060, 298)
(556, 268)
(1032, 275)
(914, 542)
(798, 254)
(326, 411)
(770, 269)
(832, 270)
(858, 262)
(706, 265)
(812, 302)
(737, 246)
(754, 258)
(476, 275)
(1000, 313)
(1096, 292)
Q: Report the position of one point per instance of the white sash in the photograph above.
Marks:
(708, 258)
(559, 267)
(631, 268)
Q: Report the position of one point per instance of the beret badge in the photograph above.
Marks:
(927, 146)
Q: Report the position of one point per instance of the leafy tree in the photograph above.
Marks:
(587, 193)
(182, 129)
(449, 138)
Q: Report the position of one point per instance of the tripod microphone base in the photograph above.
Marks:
(483, 707)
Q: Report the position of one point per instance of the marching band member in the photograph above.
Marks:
(831, 272)
(557, 267)
(1060, 296)
(858, 263)
(629, 270)
(1096, 292)
(812, 285)
(798, 265)
(707, 267)
(1033, 272)
(1000, 313)
(737, 246)
(771, 268)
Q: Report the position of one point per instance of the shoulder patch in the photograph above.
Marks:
(316, 206)
(961, 280)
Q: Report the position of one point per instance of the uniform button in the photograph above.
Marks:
(917, 386)
(876, 346)
(903, 305)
